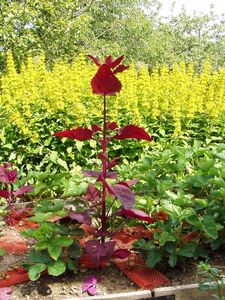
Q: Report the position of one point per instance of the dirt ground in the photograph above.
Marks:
(110, 279)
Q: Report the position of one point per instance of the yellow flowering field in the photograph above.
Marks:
(64, 92)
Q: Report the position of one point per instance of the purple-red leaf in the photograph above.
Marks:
(108, 60)
(124, 194)
(5, 293)
(120, 69)
(90, 173)
(4, 193)
(112, 125)
(89, 285)
(129, 182)
(7, 176)
(81, 217)
(105, 82)
(12, 176)
(132, 132)
(23, 190)
(121, 253)
(80, 134)
(95, 128)
(97, 251)
(102, 156)
(95, 60)
(93, 194)
(116, 62)
(113, 162)
(137, 214)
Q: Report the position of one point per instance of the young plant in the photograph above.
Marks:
(8, 178)
(99, 195)
(213, 279)
(57, 247)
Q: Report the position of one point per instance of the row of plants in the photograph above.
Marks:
(35, 101)
(34, 92)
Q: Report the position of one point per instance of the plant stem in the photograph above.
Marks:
(104, 172)
(9, 196)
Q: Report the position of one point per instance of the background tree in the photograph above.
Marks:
(63, 28)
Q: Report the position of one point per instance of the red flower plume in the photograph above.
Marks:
(105, 82)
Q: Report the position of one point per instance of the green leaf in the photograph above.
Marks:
(54, 250)
(154, 257)
(63, 241)
(172, 260)
(2, 252)
(76, 231)
(50, 205)
(187, 250)
(41, 245)
(166, 237)
(72, 265)
(187, 212)
(209, 227)
(40, 217)
(75, 250)
(194, 220)
(62, 163)
(35, 270)
(170, 247)
(57, 268)
(39, 257)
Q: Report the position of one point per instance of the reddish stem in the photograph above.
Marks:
(104, 172)
(9, 193)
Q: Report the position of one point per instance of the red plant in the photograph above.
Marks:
(106, 83)
(7, 177)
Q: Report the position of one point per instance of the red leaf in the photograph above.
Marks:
(23, 190)
(95, 128)
(129, 182)
(7, 176)
(95, 60)
(12, 176)
(120, 69)
(116, 62)
(124, 194)
(132, 132)
(136, 213)
(89, 285)
(108, 60)
(81, 217)
(102, 156)
(97, 250)
(160, 216)
(80, 134)
(113, 162)
(105, 82)
(4, 193)
(93, 194)
(121, 253)
(112, 126)
(90, 173)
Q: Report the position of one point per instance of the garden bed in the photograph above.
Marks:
(112, 284)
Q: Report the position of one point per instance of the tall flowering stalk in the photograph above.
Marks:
(105, 83)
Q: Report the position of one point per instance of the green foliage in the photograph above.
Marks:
(212, 279)
(64, 28)
(2, 252)
(187, 184)
(56, 247)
